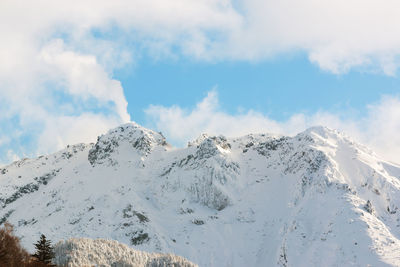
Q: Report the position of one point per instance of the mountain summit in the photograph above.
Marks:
(314, 199)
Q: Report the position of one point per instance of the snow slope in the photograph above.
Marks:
(315, 199)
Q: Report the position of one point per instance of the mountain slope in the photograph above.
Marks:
(314, 199)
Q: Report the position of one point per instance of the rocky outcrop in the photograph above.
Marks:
(131, 135)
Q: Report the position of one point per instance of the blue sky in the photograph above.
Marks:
(71, 70)
(279, 87)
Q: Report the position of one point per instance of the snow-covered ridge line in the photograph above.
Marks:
(314, 199)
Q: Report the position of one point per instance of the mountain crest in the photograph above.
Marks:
(130, 136)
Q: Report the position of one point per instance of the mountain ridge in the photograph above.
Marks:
(316, 198)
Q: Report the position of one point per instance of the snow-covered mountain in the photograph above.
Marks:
(315, 199)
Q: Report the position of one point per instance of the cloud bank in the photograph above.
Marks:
(337, 35)
(378, 129)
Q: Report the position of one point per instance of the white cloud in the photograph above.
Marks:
(337, 35)
(378, 129)
(71, 48)
(382, 127)
(61, 131)
(11, 156)
(182, 125)
(83, 76)
(57, 61)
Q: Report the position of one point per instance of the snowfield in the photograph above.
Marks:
(315, 199)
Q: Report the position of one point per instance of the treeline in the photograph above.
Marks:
(12, 254)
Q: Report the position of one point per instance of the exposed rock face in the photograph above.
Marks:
(314, 199)
(138, 139)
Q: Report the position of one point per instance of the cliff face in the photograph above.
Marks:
(315, 199)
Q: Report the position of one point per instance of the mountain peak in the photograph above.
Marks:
(321, 132)
(129, 136)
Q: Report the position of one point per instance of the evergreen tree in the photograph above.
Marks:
(44, 250)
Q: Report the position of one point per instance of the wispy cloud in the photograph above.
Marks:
(378, 129)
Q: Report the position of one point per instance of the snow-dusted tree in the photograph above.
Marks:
(44, 250)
